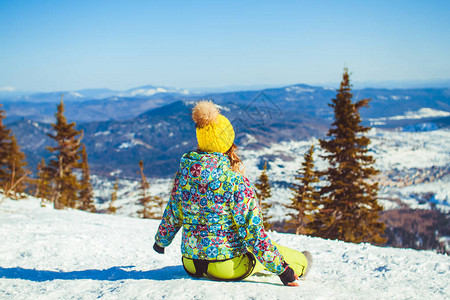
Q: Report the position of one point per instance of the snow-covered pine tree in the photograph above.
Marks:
(13, 173)
(264, 192)
(65, 161)
(305, 200)
(86, 193)
(150, 204)
(350, 209)
(112, 208)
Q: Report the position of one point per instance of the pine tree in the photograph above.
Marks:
(350, 210)
(4, 145)
(43, 183)
(112, 208)
(66, 160)
(145, 199)
(264, 192)
(86, 194)
(150, 204)
(17, 172)
(305, 199)
(13, 173)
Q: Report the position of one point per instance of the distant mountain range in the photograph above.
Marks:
(154, 124)
(88, 105)
(86, 94)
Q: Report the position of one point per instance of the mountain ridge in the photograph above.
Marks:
(158, 129)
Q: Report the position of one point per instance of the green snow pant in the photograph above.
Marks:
(243, 266)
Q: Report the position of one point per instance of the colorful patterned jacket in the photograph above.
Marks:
(218, 211)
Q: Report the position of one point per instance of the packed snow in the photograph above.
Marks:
(69, 254)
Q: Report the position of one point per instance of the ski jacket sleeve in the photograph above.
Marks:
(246, 216)
(172, 218)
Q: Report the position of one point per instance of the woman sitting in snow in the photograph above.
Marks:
(216, 205)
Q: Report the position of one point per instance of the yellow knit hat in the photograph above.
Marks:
(214, 131)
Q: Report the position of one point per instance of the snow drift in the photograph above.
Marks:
(50, 254)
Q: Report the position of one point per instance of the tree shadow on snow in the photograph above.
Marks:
(111, 274)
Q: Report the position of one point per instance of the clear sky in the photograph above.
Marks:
(70, 45)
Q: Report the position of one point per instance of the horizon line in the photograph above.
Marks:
(384, 84)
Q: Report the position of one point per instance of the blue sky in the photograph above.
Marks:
(70, 45)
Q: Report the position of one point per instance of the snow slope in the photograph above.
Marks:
(49, 254)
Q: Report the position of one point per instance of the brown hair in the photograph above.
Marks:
(235, 160)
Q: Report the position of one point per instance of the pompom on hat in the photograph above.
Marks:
(214, 132)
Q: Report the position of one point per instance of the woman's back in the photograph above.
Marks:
(217, 207)
(205, 191)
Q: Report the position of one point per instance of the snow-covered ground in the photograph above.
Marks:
(69, 254)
